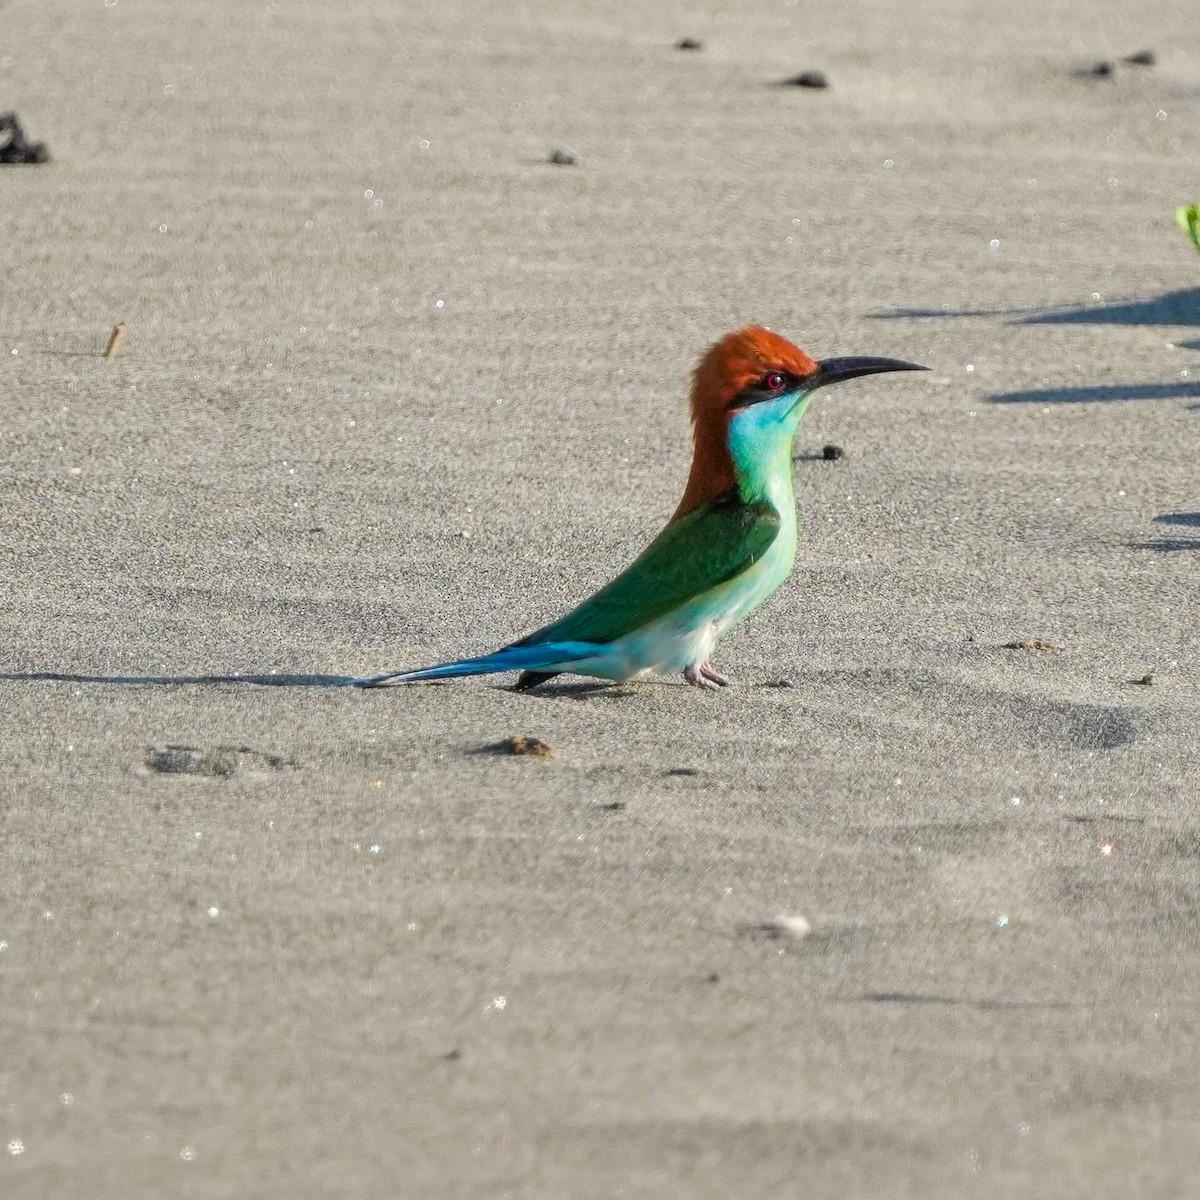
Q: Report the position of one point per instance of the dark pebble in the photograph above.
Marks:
(683, 771)
(1143, 58)
(1145, 681)
(807, 79)
(562, 158)
(15, 148)
(832, 453)
(689, 44)
(1100, 70)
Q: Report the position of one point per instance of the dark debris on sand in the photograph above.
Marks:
(806, 79)
(212, 762)
(1107, 69)
(521, 743)
(15, 147)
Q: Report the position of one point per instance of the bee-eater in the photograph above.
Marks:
(729, 545)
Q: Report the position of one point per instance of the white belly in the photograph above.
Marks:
(687, 636)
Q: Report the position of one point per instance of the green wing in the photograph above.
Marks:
(714, 543)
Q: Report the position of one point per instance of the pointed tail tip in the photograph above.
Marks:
(381, 681)
(438, 674)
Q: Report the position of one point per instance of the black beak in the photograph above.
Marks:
(835, 370)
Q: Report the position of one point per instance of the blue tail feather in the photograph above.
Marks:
(546, 656)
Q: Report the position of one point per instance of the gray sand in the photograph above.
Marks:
(396, 389)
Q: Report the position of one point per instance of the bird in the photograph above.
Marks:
(729, 544)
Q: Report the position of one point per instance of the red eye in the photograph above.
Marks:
(774, 382)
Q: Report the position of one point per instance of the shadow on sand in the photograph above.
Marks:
(295, 681)
(1103, 394)
(1171, 308)
(577, 689)
(1168, 545)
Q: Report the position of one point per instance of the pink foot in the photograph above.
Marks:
(704, 677)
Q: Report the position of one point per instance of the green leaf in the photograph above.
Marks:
(1188, 217)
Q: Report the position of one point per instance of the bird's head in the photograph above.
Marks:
(748, 395)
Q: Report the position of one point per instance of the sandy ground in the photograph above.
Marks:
(396, 389)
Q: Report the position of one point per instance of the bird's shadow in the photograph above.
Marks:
(581, 690)
(585, 690)
(985, 1005)
(295, 681)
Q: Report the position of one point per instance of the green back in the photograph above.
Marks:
(714, 543)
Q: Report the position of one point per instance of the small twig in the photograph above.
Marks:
(114, 342)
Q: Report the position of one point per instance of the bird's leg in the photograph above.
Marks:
(704, 677)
